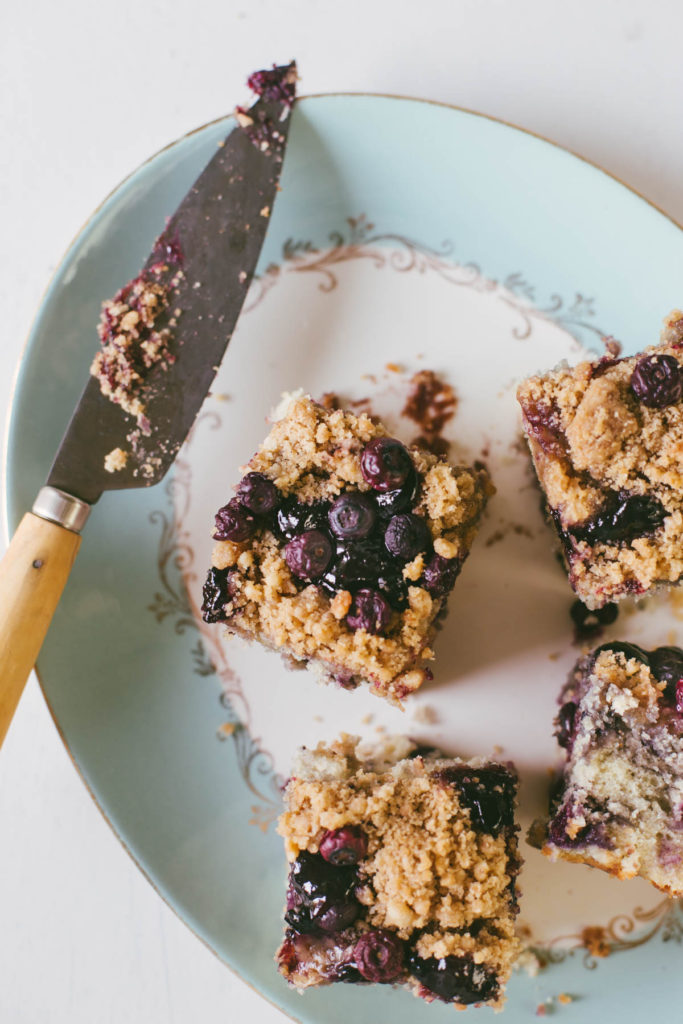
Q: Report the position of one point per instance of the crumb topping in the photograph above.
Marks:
(133, 340)
(628, 682)
(115, 460)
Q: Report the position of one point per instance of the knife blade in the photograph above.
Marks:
(214, 240)
(197, 274)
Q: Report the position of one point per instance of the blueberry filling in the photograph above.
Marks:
(488, 793)
(321, 896)
(348, 973)
(454, 979)
(277, 85)
(622, 518)
(657, 381)
(565, 725)
(215, 593)
(543, 423)
(402, 499)
(591, 834)
(294, 517)
(391, 583)
(357, 563)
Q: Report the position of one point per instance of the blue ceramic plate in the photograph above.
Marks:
(407, 235)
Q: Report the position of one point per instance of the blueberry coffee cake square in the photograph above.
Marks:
(402, 868)
(341, 547)
(606, 439)
(619, 804)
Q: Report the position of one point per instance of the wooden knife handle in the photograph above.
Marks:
(33, 573)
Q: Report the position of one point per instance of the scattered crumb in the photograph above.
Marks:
(220, 396)
(226, 730)
(554, 656)
(115, 460)
(431, 403)
(595, 941)
(425, 714)
(394, 368)
(588, 624)
(330, 401)
(265, 212)
(242, 276)
(529, 962)
(548, 1007)
(318, 718)
(518, 529)
(498, 750)
(676, 602)
(367, 719)
(380, 729)
(242, 118)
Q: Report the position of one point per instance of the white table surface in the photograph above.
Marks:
(88, 90)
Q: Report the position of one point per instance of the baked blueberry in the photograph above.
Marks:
(258, 493)
(440, 574)
(369, 611)
(378, 955)
(657, 381)
(234, 522)
(343, 846)
(309, 554)
(385, 464)
(353, 516)
(667, 667)
(406, 536)
(589, 622)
